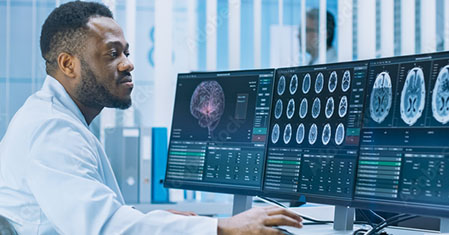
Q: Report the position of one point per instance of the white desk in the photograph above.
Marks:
(320, 212)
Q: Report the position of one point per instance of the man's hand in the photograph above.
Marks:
(259, 221)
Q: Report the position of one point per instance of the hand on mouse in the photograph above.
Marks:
(259, 221)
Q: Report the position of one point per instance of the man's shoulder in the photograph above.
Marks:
(40, 119)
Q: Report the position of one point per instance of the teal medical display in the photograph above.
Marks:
(370, 134)
(219, 131)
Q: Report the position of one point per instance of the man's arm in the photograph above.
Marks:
(67, 181)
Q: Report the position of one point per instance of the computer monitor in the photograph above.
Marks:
(404, 151)
(219, 131)
(314, 132)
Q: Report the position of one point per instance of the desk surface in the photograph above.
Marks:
(320, 212)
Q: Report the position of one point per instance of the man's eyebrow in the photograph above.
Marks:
(117, 44)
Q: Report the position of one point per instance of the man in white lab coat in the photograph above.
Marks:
(312, 32)
(54, 174)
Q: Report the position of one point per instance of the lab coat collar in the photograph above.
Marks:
(55, 88)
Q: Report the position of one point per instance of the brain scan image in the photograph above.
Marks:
(303, 108)
(326, 136)
(293, 84)
(413, 96)
(275, 133)
(306, 84)
(333, 80)
(329, 107)
(440, 96)
(281, 85)
(300, 132)
(278, 109)
(290, 108)
(313, 134)
(343, 106)
(346, 81)
(319, 83)
(381, 97)
(207, 104)
(287, 133)
(316, 107)
(340, 134)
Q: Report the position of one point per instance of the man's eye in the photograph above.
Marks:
(113, 54)
(126, 53)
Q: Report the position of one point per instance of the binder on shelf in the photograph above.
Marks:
(145, 165)
(122, 148)
(159, 163)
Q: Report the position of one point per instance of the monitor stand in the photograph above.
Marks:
(344, 218)
(241, 203)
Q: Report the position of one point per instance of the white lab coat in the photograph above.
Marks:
(55, 177)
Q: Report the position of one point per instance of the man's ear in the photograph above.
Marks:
(69, 65)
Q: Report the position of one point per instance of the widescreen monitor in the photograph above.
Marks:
(404, 150)
(219, 131)
(315, 132)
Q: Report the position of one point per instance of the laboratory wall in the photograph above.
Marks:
(173, 36)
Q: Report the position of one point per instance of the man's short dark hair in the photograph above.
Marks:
(330, 24)
(64, 30)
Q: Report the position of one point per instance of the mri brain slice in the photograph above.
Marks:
(319, 83)
(343, 106)
(278, 109)
(329, 107)
(303, 108)
(293, 84)
(290, 108)
(207, 104)
(381, 97)
(333, 80)
(340, 134)
(287, 133)
(275, 133)
(413, 96)
(313, 134)
(326, 136)
(306, 83)
(440, 96)
(281, 85)
(346, 81)
(316, 107)
(300, 132)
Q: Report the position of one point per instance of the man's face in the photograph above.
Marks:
(311, 36)
(106, 80)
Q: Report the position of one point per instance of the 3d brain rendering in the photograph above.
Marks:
(207, 104)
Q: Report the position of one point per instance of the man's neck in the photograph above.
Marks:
(88, 112)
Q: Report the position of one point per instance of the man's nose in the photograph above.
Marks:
(126, 65)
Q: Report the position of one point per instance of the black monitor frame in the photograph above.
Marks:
(433, 210)
(398, 206)
(216, 187)
(310, 197)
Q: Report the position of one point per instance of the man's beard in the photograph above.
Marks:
(93, 94)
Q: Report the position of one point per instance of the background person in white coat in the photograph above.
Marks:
(54, 174)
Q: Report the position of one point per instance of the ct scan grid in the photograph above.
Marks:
(314, 130)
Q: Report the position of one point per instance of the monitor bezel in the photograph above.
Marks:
(432, 210)
(310, 197)
(214, 187)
